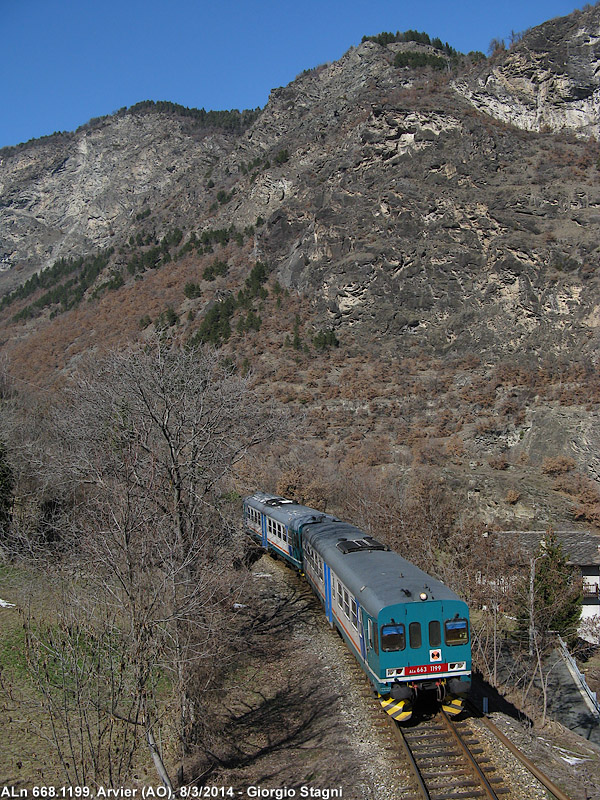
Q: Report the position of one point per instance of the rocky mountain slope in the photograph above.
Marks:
(442, 223)
(69, 195)
(548, 81)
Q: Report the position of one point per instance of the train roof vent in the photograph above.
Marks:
(359, 545)
(278, 501)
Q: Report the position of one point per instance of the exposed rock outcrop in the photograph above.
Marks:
(547, 81)
(66, 196)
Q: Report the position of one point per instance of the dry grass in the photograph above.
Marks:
(27, 757)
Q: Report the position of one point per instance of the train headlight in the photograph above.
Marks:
(457, 665)
(423, 595)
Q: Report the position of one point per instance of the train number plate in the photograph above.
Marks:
(426, 669)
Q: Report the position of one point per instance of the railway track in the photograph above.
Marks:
(447, 758)
(448, 761)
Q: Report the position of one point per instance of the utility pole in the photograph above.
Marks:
(531, 606)
(495, 643)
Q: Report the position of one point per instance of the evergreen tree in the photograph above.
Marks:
(555, 602)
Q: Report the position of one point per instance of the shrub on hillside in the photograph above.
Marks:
(557, 465)
(420, 60)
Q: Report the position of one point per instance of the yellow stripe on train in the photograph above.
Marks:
(452, 705)
(400, 710)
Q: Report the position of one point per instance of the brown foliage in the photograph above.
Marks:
(585, 492)
(557, 465)
(301, 485)
(512, 497)
(455, 448)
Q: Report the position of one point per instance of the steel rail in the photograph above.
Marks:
(543, 779)
(485, 784)
(411, 760)
(469, 765)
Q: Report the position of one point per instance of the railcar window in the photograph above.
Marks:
(346, 604)
(393, 637)
(435, 633)
(414, 634)
(457, 631)
(372, 635)
(309, 555)
(340, 600)
(354, 614)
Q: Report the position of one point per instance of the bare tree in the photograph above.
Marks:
(86, 681)
(148, 438)
(40, 498)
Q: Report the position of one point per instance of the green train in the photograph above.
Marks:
(407, 630)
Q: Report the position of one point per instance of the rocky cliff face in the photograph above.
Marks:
(548, 81)
(69, 195)
(418, 220)
(445, 225)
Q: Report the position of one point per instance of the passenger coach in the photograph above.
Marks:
(408, 631)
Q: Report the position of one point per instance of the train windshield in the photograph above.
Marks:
(393, 637)
(457, 631)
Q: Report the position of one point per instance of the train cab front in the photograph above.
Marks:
(425, 652)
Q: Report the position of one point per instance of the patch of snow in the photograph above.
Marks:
(572, 760)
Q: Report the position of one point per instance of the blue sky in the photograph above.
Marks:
(65, 61)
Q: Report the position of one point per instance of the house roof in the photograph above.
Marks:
(582, 548)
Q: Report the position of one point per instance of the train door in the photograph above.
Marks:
(327, 581)
(263, 523)
(424, 651)
(361, 632)
(370, 639)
